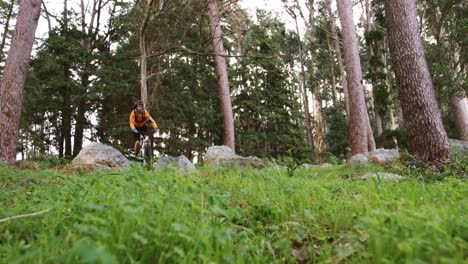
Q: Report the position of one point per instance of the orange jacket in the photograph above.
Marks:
(137, 120)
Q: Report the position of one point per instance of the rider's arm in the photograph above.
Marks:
(132, 120)
(148, 117)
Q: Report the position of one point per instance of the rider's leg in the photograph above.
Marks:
(136, 147)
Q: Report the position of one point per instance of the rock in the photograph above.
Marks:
(307, 166)
(181, 163)
(310, 166)
(359, 160)
(382, 176)
(462, 145)
(100, 156)
(222, 155)
(383, 156)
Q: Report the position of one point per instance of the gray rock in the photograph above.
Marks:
(100, 156)
(382, 176)
(310, 166)
(383, 156)
(359, 160)
(224, 156)
(181, 163)
(463, 145)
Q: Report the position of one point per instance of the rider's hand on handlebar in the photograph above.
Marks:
(135, 130)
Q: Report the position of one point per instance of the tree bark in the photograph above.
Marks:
(221, 74)
(359, 126)
(14, 76)
(426, 135)
(460, 110)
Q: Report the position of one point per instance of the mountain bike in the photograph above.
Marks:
(146, 150)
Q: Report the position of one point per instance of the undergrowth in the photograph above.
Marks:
(228, 215)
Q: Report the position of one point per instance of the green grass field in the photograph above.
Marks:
(226, 215)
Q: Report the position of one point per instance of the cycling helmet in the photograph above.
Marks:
(137, 103)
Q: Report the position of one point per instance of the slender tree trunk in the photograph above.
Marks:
(460, 110)
(221, 74)
(359, 125)
(373, 70)
(426, 135)
(14, 76)
(79, 128)
(332, 68)
(5, 28)
(143, 53)
(66, 120)
(308, 122)
(336, 43)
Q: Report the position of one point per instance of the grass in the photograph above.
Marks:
(224, 215)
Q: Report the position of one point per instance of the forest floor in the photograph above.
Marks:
(228, 215)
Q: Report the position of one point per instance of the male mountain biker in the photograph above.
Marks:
(138, 119)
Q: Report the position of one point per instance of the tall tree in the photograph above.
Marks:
(221, 73)
(426, 135)
(360, 133)
(147, 16)
(336, 45)
(302, 75)
(12, 83)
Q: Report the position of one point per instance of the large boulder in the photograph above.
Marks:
(100, 156)
(463, 145)
(359, 160)
(379, 157)
(225, 156)
(181, 163)
(383, 156)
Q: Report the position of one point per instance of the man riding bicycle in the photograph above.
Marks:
(138, 118)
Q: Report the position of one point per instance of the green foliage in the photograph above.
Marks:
(229, 215)
(388, 135)
(455, 167)
(266, 108)
(337, 136)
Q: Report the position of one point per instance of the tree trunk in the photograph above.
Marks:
(308, 122)
(66, 120)
(426, 135)
(5, 28)
(143, 53)
(221, 74)
(332, 69)
(79, 128)
(336, 43)
(14, 76)
(359, 126)
(373, 70)
(460, 110)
